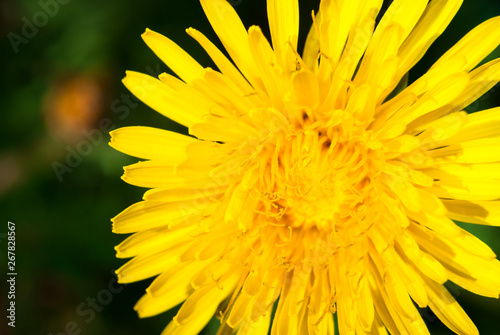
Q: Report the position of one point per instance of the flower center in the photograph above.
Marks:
(325, 179)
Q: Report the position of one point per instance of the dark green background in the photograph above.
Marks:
(64, 242)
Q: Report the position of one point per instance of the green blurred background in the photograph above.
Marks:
(60, 94)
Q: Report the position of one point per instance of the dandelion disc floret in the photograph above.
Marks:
(315, 187)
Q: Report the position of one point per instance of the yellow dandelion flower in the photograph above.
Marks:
(315, 183)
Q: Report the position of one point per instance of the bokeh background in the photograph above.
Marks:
(60, 94)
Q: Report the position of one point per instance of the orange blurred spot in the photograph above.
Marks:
(73, 105)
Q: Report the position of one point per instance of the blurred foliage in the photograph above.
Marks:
(65, 250)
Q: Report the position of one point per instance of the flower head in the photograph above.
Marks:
(319, 183)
